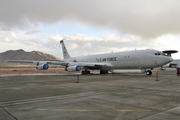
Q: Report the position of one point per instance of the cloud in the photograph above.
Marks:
(109, 42)
(81, 44)
(36, 25)
(44, 34)
(4, 31)
(56, 37)
(6, 39)
(33, 31)
(148, 19)
(7, 36)
(13, 35)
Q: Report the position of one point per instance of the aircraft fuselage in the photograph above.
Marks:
(137, 59)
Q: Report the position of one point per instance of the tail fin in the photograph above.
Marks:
(65, 52)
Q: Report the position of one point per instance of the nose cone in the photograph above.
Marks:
(171, 59)
(168, 59)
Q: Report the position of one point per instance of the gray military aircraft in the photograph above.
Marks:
(143, 60)
(173, 64)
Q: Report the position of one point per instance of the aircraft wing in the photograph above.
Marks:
(91, 65)
(39, 62)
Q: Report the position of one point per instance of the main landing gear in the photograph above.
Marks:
(85, 72)
(103, 71)
(149, 72)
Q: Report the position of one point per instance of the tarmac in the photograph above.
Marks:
(59, 96)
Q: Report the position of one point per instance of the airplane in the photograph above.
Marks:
(144, 60)
(173, 64)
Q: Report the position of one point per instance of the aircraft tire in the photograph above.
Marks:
(82, 72)
(103, 71)
(149, 72)
(85, 72)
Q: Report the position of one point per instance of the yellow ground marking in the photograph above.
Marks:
(126, 110)
(13, 108)
(78, 110)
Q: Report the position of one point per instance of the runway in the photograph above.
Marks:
(95, 97)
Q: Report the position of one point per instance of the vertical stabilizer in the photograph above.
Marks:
(65, 52)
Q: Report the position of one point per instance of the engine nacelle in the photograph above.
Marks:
(73, 68)
(42, 67)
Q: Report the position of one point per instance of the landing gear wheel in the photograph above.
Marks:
(82, 72)
(85, 72)
(149, 72)
(103, 71)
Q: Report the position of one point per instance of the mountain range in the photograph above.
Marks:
(23, 55)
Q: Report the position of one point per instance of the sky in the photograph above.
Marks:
(89, 26)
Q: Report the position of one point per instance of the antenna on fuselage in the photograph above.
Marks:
(169, 52)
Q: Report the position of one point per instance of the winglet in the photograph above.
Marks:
(65, 52)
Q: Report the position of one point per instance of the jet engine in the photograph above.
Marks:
(42, 67)
(73, 68)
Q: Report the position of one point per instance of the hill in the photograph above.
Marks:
(23, 55)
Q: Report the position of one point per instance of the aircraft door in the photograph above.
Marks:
(131, 61)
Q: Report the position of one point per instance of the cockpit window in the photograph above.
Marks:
(160, 53)
(157, 53)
